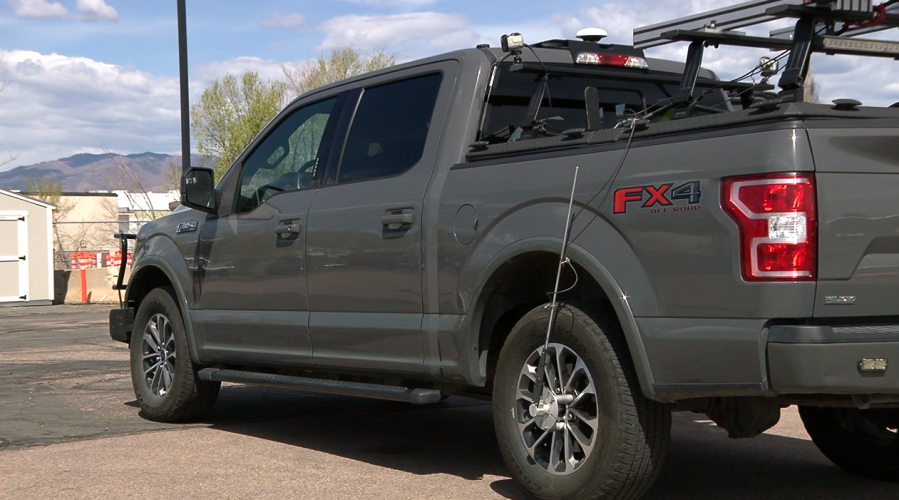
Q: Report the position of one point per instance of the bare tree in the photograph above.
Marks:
(810, 88)
(50, 192)
(134, 190)
(341, 63)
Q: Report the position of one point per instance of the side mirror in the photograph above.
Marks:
(198, 189)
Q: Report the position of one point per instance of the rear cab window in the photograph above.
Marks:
(563, 104)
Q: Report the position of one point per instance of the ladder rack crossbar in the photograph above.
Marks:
(762, 11)
(728, 18)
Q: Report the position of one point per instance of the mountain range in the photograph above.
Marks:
(103, 172)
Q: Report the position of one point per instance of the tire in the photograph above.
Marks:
(172, 391)
(863, 442)
(629, 433)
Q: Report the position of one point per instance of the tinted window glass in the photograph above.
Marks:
(390, 128)
(285, 160)
(564, 106)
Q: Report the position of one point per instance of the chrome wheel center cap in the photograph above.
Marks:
(547, 412)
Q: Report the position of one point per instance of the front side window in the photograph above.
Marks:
(286, 159)
(390, 129)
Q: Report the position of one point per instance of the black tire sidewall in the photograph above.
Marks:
(528, 335)
(159, 301)
(847, 450)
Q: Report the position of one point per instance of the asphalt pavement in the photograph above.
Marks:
(70, 428)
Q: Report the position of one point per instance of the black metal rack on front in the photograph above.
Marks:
(120, 280)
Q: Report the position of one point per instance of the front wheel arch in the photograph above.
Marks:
(151, 275)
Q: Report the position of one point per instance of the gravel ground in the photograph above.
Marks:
(70, 428)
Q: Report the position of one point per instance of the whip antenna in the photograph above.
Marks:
(554, 304)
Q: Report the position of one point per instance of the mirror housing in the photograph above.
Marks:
(198, 189)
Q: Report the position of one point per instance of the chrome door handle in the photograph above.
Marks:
(400, 218)
(288, 228)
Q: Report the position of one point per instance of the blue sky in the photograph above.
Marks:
(101, 75)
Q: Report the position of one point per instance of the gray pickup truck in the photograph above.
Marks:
(398, 235)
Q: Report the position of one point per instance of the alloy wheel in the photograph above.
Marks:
(561, 430)
(158, 353)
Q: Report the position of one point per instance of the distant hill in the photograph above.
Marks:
(90, 172)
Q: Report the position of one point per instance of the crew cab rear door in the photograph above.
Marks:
(857, 174)
(364, 231)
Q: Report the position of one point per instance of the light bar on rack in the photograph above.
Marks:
(858, 46)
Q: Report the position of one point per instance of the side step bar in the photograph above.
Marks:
(375, 391)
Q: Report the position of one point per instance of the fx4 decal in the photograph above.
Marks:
(660, 198)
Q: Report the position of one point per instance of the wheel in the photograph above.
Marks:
(164, 378)
(863, 442)
(596, 436)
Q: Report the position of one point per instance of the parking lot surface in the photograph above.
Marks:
(70, 428)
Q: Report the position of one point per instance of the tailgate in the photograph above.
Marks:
(857, 170)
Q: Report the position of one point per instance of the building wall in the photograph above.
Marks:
(40, 253)
(86, 222)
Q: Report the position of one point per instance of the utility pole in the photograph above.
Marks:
(185, 88)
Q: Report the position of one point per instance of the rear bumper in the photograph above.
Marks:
(827, 360)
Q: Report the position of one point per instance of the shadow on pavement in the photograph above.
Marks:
(456, 437)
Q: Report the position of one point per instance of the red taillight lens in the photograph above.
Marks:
(776, 217)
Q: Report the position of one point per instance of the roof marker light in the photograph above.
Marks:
(619, 60)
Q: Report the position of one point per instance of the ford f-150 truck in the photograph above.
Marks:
(398, 235)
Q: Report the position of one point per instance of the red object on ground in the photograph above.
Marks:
(83, 285)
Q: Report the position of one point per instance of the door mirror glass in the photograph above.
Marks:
(198, 189)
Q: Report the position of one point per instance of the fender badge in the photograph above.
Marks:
(186, 227)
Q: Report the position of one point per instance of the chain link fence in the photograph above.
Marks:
(95, 237)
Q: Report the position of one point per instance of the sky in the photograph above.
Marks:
(90, 76)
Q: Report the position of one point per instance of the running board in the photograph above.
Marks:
(344, 388)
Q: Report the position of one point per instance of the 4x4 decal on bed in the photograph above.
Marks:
(661, 198)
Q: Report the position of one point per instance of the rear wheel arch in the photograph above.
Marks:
(494, 312)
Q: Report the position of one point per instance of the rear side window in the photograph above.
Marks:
(390, 128)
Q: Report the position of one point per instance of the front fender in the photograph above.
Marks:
(159, 252)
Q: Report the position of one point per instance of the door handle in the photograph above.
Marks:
(287, 229)
(398, 219)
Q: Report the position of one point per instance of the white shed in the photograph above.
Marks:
(26, 250)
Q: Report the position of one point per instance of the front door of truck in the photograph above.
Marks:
(252, 261)
(365, 228)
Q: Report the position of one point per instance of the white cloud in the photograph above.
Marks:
(266, 68)
(54, 106)
(90, 10)
(38, 9)
(413, 33)
(279, 20)
(97, 10)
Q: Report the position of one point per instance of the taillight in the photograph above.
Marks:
(776, 217)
